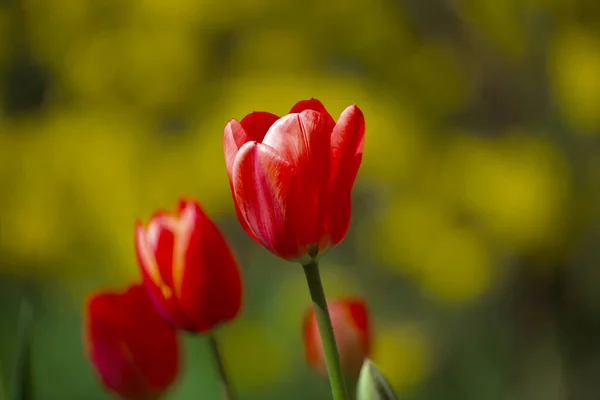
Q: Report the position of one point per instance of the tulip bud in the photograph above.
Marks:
(373, 385)
(134, 351)
(188, 268)
(350, 321)
(291, 177)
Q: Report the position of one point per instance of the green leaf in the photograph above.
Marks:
(372, 384)
(22, 384)
(2, 388)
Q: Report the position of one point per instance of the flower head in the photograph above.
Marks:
(350, 320)
(121, 332)
(292, 177)
(188, 268)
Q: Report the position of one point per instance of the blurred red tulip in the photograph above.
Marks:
(188, 268)
(350, 320)
(134, 351)
(292, 177)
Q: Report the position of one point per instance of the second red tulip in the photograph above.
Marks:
(134, 351)
(189, 269)
(351, 327)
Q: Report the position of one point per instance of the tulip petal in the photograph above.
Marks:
(358, 314)
(311, 104)
(154, 247)
(311, 339)
(253, 127)
(261, 188)
(154, 251)
(351, 328)
(211, 292)
(235, 136)
(181, 228)
(303, 140)
(347, 143)
(297, 136)
(122, 330)
(257, 124)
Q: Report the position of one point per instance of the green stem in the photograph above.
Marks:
(330, 350)
(228, 392)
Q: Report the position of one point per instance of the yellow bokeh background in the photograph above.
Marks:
(478, 183)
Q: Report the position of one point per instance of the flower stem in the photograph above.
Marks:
(228, 392)
(330, 350)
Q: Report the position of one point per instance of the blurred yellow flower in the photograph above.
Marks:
(278, 92)
(192, 165)
(402, 232)
(359, 28)
(9, 149)
(75, 182)
(418, 235)
(89, 71)
(53, 24)
(258, 366)
(160, 67)
(181, 14)
(444, 93)
(574, 70)
(33, 226)
(394, 142)
(502, 23)
(517, 186)
(457, 267)
(403, 353)
(95, 154)
(151, 62)
(274, 50)
(4, 34)
(83, 176)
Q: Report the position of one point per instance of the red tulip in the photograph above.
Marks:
(292, 177)
(134, 351)
(350, 320)
(188, 268)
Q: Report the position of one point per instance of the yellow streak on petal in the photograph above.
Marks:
(149, 263)
(166, 291)
(181, 226)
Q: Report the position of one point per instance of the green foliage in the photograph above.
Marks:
(23, 384)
